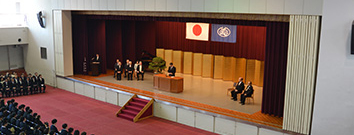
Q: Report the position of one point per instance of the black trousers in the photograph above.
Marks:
(42, 88)
(142, 75)
(115, 72)
(7, 93)
(119, 76)
(130, 76)
(125, 73)
(234, 94)
(243, 97)
(34, 89)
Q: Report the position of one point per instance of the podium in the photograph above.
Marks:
(166, 83)
(95, 66)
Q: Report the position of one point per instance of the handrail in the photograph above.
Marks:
(142, 111)
(123, 107)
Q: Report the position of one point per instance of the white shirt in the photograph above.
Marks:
(140, 68)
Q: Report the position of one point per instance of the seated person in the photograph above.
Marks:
(171, 70)
(140, 71)
(239, 87)
(119, 71)
(53, 127)
(41, 84)
(64, 131)
(247, 93)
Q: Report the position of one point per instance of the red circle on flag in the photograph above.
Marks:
(197, 30)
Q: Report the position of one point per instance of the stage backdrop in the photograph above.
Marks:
(259, 40)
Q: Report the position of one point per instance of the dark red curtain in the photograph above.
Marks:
(128, 40)
(145, 38)
(250, 41)
(275, 68)
(96, 31)
(80, 47)
(113, 42)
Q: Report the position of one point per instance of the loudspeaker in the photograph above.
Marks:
(352, 42)
(40, 18)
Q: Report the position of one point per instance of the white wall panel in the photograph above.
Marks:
(10, 36)
(205, 122)
(79, 88)
(184, 5)
(150, 5)
(111, 4)
(55, 4)
(65, 84)
(241, 6)
(16, 57)
(165, 111)
(100, 94)
(139, 5)
(4, 58)
(123, 98)
(226, 6)
(172, 5)
(74, 4)
(293, 6)
(186, 117)
(88, 4)
(160, 5)
(263, 131)
(95, 5)
(67, 4)
(258, 6)
(275, 6)
(197, 5)
(245, 129)
(81, 4)
(89, 91)
(103, 4)
(211, 5)
(225, 127)
(112, 97)
(129, 4)
(61, 4)
(313, 7)
(120, 4)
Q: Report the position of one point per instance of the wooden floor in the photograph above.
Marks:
(257, 117)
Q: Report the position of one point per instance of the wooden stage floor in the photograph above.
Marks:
(200, 93)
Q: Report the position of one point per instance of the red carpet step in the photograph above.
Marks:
(136, 109)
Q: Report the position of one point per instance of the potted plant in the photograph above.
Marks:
(158, 64)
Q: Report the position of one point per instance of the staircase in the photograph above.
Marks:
(136, 109)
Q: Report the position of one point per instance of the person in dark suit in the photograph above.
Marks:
(53, 127)
(171, 70)
(97, 59)
(13, 87)
(130, 70)
(126, 68)
(64, 131)
(115, 68)
(21, 86)
(34, 84)
(247, 93)
(239, 87)
(41, 84)
(28, 88)
(140, 71)
(119, 71)
(4, 129)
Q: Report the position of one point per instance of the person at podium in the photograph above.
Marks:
(171, 70)
(97, 60)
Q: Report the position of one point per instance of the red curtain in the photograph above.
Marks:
(113, 42)
(80, 48)
(96, 30)
(250, 41)
(145, 38)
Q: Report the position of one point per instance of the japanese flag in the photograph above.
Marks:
(197, 31)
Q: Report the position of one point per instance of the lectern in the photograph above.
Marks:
(166, 83)
(95, 68)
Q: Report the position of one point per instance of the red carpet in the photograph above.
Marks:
(96, 117)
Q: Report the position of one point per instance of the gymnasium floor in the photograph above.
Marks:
(96, 117)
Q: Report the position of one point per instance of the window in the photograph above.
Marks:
(43, 53)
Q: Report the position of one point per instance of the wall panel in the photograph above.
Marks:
(197, 63)
(257, 72)
(187, 62)
(177, 59)
(208, 65)
(250, 71)
(160, 53)
(229, 68)
(168, 56)
(240, 69)
(218, 66)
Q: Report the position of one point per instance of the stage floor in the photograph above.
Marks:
(201, 93)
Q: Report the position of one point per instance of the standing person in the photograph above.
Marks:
(97, 60)
(171, 70)
(239, 87)
(115, 68)
(126, 68)
(130, 69)
(247, 93)
(41, 84)
(135, 67)
(140, 71)
(119, 71)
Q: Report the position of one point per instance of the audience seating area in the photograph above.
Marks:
(21, 120)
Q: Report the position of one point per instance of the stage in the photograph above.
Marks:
(200, 93)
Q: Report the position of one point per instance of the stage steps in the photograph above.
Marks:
(136, 109)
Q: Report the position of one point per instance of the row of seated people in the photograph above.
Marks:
(137, 70)
(13, 85)
(22, 121)
(239, 88)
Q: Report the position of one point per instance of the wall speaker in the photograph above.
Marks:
(40, 18)
(352, 42)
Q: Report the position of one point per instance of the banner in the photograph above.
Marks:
(223, 33)
(197, 31)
